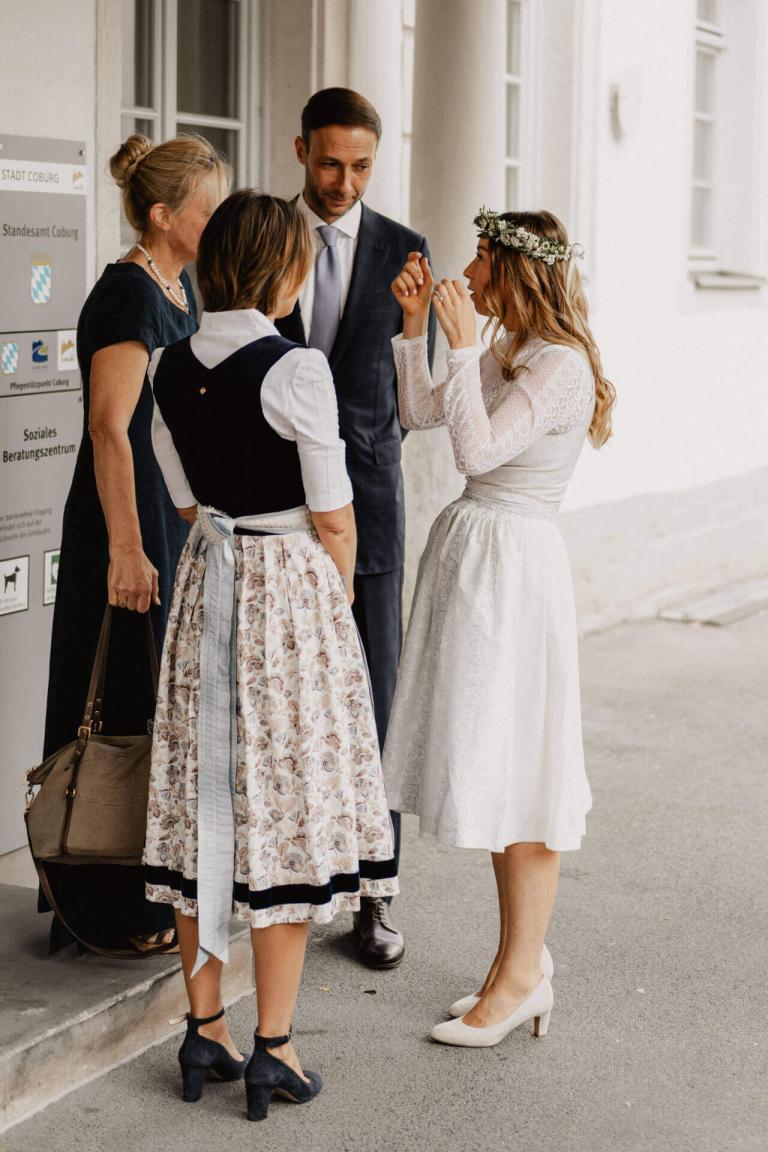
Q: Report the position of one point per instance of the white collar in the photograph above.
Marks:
(240, 321)
(348, 224)
(222, 333)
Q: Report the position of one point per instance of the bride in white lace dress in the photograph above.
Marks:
(484, 739)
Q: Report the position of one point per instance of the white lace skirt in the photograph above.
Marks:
(484, 741)
(312, 826)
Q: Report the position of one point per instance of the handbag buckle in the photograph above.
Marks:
(84, 731)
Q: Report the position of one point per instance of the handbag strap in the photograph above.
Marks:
(154, 669)
(115, 953)
(92, 714)
(95, 699)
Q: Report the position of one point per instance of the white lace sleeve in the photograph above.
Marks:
(420, 403)
(554, 394)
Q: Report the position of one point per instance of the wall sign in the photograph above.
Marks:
(14, 585)
(42, 289)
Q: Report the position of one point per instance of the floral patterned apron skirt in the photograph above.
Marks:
(266, 794)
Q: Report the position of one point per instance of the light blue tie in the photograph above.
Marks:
(326, 306)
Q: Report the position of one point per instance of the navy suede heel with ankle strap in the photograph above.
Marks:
(199, 1055)
(267, 1075)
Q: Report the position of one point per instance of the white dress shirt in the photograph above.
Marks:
(297, 398)
(348, 227)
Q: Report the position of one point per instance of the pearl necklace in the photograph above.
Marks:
(181, 300)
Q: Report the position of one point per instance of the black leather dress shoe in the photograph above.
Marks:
(379, 943)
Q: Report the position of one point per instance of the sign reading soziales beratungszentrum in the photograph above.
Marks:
(42, 289)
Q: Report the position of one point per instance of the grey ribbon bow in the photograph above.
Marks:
(326, 305)
(214, 533)
(216, 738)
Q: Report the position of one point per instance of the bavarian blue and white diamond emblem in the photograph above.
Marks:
(41, 283)
(10, 357)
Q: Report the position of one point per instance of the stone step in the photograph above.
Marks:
(724, 606)
(68, 1019)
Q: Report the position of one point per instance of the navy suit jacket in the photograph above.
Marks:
(363, 370)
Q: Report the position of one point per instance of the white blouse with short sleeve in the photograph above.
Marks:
(298, 400)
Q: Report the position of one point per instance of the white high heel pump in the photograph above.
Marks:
(467, 1003)
(537, 1007)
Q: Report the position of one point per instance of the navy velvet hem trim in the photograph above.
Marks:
(281, 893)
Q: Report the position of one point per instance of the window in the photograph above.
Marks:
(192, 66)
(140, 87)
(726, 249)
(710, 43)
(513, 150)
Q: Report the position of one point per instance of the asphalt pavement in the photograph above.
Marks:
(659, 1037)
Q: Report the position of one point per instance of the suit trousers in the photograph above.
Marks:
(378, 611)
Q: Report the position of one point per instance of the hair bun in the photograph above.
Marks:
(123, 163)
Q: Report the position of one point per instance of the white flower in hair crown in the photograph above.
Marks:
(512, 235)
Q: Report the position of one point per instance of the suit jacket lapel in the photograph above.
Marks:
(368, 258)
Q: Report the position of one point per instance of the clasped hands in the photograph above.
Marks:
(415, 289)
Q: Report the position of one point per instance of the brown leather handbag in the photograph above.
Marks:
(91, 807)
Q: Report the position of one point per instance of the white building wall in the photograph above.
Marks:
(48, 78)
(689, 364)
(50, 91)
(290, 35)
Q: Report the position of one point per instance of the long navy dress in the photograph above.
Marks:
(104, 904)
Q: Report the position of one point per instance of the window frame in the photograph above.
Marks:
(525, 163)
(165, 116)
(143, 111)
(514, 80)
(738, 257)
(710, 40)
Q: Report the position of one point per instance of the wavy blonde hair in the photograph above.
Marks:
(547, 300)
(167, 173)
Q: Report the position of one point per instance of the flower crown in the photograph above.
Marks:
(512, 235)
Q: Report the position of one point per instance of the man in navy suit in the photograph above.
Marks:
(346, 309)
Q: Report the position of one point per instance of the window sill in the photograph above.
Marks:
(728, 281)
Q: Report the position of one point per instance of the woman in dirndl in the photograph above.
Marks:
(484, 739)
(266, 794)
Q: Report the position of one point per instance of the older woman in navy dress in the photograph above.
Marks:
(122, 536)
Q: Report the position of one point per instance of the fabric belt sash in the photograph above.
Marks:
(518, 504)
(214, 533)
